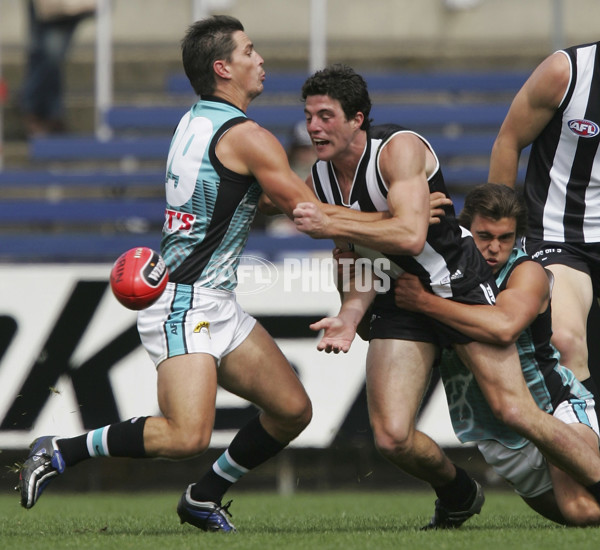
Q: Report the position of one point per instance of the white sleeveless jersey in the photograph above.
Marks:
(562, 183)
(450, 263)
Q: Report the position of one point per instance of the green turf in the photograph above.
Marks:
(311, 521)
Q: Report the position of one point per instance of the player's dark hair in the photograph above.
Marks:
(494, 201)
(205, 42)
(342, 83)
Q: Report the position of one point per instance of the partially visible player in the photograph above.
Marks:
(496, 216)
(557, 111)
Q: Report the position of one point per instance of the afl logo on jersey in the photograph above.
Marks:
(583, 128)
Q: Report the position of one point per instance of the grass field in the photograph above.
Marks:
(265, 521)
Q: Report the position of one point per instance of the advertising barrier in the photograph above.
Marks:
(71, 359)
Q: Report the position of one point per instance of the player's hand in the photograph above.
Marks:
(310, 219)
(409, 292)
(338, 334)
(437, 200)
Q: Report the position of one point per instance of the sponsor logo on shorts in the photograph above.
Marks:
(203, 325)
(583, 128)
(542, 255)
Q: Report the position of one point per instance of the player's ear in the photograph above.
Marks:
(357, 120)
(221, 69)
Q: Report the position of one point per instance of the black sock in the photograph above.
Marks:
(120, 439)
(251, 447)
(459, 493)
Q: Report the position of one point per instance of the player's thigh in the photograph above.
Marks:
(258, 371)
(398, 372)
(187, 388)
(572, 296)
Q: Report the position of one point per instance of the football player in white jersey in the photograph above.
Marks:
(557, 112)
(393, 169)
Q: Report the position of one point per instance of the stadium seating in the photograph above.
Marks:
(447, 82)
(470, 116)
(75, 213)
(447, 147)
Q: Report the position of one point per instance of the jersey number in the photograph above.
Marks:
(185, 158)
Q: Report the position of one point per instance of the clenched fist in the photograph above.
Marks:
(310, 219)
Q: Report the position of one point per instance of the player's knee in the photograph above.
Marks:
(294, 418)
(185, 445)
(198, 444)
(393, 439)
(300, 414)
(510, 413)
(571, 344)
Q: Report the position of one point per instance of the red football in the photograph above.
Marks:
(139, 277)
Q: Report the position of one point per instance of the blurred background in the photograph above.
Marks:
(87, 106)
(135, 44)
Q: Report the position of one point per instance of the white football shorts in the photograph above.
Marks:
(526, 469)
(193, 319)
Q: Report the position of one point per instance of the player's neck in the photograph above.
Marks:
(346, 163)
(231, 95)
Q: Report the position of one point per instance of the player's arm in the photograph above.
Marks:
(283, 189)
(526, 295)
(352, 319)
(248, 148)
(339, 331)
(531, 110)
(266, 206)
(404, 231)
(437, 201)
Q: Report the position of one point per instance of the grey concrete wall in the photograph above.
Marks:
(369, 29)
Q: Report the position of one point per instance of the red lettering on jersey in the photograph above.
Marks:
(178, 221)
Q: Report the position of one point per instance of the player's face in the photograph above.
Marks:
(331, 133)
(495, 239)
(246, 65)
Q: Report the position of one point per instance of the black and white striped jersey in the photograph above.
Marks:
(450, 263)
(562, 183)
